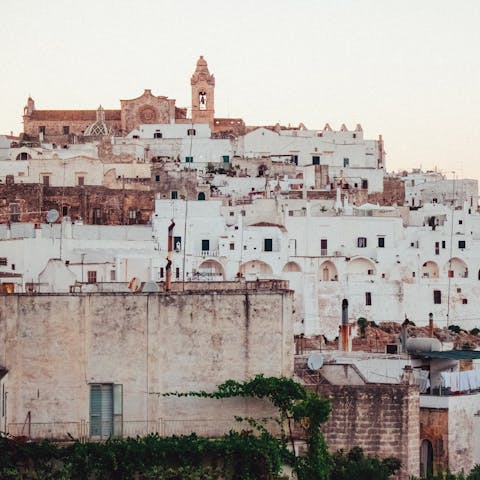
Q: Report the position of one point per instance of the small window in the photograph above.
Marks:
(177, 243)
(157, 178)
(413, 274)
(370, 271)
(443, 243)
(232, 246)
(92, 276)
(174, 195)
(316, 160)
(201, 196)
(80, 181)
(177, 273)
(295, 159)
(368, 298)
(191, 132)
(113, 275)
(361, 242)
(226, 158)
(268, 245)
(14, 212)
(64, 211)
(437, 297)
(66, 130)
(46, 180)
(157, 135)
(13, 266)
(132, 214)
(346, 162)
(231, 214)
(3, 261)
(461, 244)
(42, 129)
(162, 272)
(464, 301)
(437, 248)
(188, 159)
(460, 222)
(364, 184)
(242, 212)
(205, 245)
(381, 242)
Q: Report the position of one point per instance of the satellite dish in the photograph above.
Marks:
(315, 361)
(52, 216)
(135, 284)
(150, 287)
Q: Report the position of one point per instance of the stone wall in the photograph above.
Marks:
(382, 419)
(54, 346)
(93, 204)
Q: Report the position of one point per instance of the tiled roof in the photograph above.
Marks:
(73, 115)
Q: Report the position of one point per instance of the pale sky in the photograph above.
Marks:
(409, 69)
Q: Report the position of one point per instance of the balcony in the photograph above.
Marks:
(209, 253)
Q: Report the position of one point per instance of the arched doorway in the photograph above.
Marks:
(426, 459)
(201, 196)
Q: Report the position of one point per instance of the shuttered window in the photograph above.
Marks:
(106, 410)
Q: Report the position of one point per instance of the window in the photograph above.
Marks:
(97, 216)
(157, 178)
(177, 243)
(346, 162)
(370, 271)
(157, 135)
(23, 156)
(66, 130)
(14, 212)
(46, 180)
(437, 296)
(42, 129)
(64, 211)
(381, 242)
(113, 275)
(361, 242)
(205, 245)
(464, 301)
(443, 243)
(13, 266)
(315, 160)
(92, 276)
(461, 244)
(460, 222)
(364, 183)
(201, 196)
(174, 195)
(368, 298)
(191, 132)
(323, 247)
(132, 216)
(177, 273)
(232, 246)
(3, 261)
(268, 245)
(188, 159)
(80, 180)
(226, 158)
(437, 248)
(106, 410)
(295, 159)
(162, 272)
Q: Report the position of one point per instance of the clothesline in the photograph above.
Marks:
(461, 381)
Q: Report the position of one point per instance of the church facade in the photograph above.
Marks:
(71, 126)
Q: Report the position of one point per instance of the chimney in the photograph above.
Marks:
(345, 337)
(430, 325)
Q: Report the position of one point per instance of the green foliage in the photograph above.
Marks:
(356, 465)
(455, 328)
(475, 331)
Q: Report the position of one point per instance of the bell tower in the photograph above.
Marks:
(203, 88)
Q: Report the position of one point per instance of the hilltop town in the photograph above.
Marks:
(157, 248)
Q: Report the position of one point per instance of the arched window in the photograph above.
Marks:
(23, 156)
(201, 196)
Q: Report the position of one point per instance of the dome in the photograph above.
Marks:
(98, 129)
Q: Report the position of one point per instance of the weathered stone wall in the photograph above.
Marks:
(95, 205)
(382, 419)
(55, 345)
(393, 192)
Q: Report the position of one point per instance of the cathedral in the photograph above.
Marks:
(71, 126)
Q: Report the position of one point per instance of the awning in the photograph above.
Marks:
(449, 354)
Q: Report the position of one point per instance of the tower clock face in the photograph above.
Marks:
(202, 100)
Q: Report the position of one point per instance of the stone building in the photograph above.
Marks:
(71, 126)
(120, 352)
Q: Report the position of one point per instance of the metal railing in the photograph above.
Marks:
(67, 431)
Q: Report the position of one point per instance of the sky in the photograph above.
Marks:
(407, 70)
